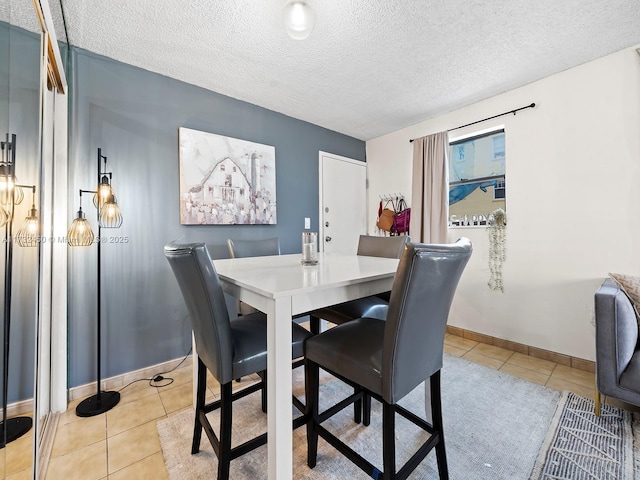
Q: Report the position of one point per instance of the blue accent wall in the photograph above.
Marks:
(134, 116)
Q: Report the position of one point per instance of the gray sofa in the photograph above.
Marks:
(617, 348)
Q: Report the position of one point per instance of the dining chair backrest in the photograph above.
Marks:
(388, 247)
(240, 248)
(203, 295)
(421, 297)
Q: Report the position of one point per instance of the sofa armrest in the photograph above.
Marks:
(616, 335)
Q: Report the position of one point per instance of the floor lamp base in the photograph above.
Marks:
(97, 404)
(14, 428)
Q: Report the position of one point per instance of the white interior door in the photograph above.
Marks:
(343, 207)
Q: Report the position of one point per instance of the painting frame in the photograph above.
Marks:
(225, 180)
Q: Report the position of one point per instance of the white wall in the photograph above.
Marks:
(573, 201)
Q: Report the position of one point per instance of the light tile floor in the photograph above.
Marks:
(124, 444)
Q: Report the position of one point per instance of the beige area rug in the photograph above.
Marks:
(494, 426)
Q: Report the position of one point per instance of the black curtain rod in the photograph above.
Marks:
(489, 118)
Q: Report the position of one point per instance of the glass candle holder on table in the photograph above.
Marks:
(309, 248)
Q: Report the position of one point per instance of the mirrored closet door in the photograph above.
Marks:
(20, 172)
(33, 132)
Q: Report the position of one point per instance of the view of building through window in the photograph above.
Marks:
(477, 183)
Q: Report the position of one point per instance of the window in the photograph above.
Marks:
(477, 184)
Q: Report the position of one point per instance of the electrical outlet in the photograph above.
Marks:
(307, 223)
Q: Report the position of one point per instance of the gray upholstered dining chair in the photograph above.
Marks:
(241, 248)
(228, 348)
(374, 306)
(387, 360)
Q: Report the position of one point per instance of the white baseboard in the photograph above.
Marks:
(88, 389)
(23, 407)
(18, 409)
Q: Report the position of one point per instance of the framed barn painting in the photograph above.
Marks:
(225, 181)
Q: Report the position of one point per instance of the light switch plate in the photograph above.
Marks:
(307, 223)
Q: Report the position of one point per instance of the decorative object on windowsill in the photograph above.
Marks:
(497, 228)
(298, 18)
(11, 194)
(81, 235)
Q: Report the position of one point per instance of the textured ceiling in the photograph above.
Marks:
(370, 67)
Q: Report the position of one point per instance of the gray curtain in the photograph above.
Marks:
(429, 189)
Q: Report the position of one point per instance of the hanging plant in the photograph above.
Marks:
(497, 228)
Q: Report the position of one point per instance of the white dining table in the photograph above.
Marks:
(281, 287)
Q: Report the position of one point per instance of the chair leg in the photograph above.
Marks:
(263, 390)
(388, 442)
(366, 410)
(362, 409)
(201, 386)
(597, 405)
(314, 324)
(312, 385)
(436, 411)
(357, 408)
(224, 458)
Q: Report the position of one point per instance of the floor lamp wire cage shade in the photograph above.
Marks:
(4, 216)
(110, 216)
(103, 192)
(80, 233)
(28, 235)
(10, 192)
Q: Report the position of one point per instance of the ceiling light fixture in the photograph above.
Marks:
(298, 18)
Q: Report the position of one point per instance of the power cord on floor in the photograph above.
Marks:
(159, 380)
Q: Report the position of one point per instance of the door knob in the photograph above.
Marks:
(327, 238)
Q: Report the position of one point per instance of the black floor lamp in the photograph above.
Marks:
(11, 194)
(81, 235)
